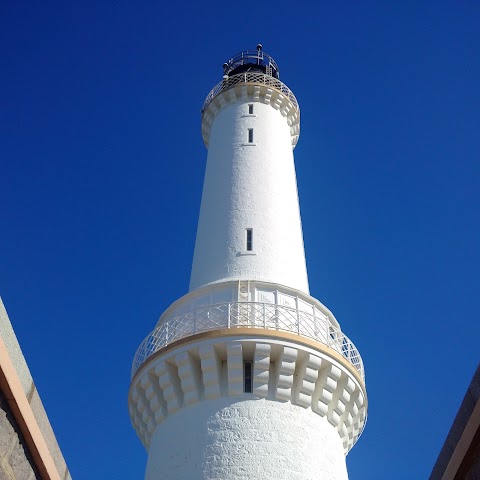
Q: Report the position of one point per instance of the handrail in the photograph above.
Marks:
(251, 315)
(256, 57)
(252, 78)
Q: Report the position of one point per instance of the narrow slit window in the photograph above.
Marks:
(250, 135)
(247, 377)
(249, 239)
(250, 108)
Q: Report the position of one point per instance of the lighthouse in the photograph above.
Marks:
(247, 376)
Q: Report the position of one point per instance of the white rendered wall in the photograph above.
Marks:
(250, 186)
(238, 438)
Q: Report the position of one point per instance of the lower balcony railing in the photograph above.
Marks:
(250, 315)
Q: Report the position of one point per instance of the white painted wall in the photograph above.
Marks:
(250, 186)
(240, 438)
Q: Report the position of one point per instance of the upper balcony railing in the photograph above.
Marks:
(248, 315)
(249, 78)
(252, 57)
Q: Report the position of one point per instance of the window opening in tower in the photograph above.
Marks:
(249, 239)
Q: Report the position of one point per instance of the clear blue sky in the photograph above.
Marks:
(101, 170)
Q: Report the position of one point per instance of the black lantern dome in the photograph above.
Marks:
(251, 61)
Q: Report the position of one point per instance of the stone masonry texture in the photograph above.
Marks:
(15, 460)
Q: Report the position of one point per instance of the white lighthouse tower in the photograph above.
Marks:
(247, 376)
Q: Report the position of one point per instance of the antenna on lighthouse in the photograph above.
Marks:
(259, 49)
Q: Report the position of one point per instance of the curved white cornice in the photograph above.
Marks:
(252, 87)
(206, 368)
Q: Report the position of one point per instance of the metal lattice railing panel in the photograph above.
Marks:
(253, 315)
